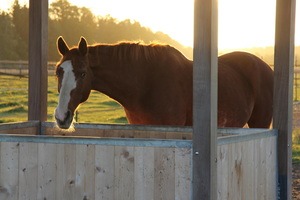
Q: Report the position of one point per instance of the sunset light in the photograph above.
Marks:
(242, 23)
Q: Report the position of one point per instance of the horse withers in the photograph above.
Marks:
(154, 84)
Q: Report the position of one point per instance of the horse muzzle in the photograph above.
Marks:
(67, 120)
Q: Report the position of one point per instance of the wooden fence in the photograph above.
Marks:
(129, 162)
(20, 68)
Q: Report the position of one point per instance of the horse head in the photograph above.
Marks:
(74, 80)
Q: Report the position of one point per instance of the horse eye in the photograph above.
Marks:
(83, 74)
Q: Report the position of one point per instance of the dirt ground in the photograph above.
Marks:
(296, 181)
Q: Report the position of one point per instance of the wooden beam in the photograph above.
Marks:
(283, 92)
(205, 100)
(38, 76)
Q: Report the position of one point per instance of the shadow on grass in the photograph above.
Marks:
(121, 120)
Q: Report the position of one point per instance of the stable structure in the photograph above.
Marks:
(145, 162)
(130, 162)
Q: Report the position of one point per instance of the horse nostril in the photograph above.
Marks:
(66, 117)
(68, 114)
(58, 120)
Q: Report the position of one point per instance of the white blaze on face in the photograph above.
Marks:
(67, 85)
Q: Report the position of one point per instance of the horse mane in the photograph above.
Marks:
(136, 51)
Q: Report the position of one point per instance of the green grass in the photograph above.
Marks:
(98, 108)
(296, 153)
(14, 103)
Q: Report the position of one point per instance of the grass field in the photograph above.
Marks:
(98, 109)
(14, 99)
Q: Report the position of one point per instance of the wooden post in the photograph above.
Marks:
(283, 92)
(38, 76)
(205, 100)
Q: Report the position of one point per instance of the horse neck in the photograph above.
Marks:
(116, 78)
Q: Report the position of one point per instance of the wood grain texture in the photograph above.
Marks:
(28, 170)
(9, 187)
(205, 99)
(246, 170)
(144, 173)
(38, 74)
(283, 91)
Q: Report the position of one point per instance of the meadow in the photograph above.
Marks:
(14, 99)
(97, 109)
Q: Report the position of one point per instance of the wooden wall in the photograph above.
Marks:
(47, 167)
(248, 170)
(71, 171)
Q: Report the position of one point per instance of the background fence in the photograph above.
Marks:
(20, 68)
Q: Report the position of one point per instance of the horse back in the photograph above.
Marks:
(245, 91)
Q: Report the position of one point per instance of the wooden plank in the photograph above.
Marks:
(23, 131)
(234, 171)
(38, 74)
(248, 170)
(110, 133)
(124, 173)
(17, 125)
(90, 172)
(28, 171)
(260, 170)
(164, 174)
(85, 164)
(205, 99)
(69, 170)
(29, 127)
(222, 170)
(9, 164)
(105, 170)
(271, 164)
(60, 172)
(283, 91)
(81, 164)
(46, 171)
(144, 173)
(183, 163)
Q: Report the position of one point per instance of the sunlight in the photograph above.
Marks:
(174, 18)
(6, 4)
(242, 23)
(246, 23)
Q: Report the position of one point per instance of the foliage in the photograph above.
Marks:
(8, 38)
(71, 22)
(20, 19)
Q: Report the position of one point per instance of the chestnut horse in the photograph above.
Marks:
(154, 84)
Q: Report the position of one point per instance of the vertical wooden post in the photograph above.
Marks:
(38, 77)
(205, 100)
(283, 92)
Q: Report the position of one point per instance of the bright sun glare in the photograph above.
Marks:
(242, 23)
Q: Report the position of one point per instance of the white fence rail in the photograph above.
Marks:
(20, 68)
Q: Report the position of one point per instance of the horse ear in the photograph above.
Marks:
(82, 46)
(62, 46)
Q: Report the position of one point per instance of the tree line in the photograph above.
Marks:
(71, 22)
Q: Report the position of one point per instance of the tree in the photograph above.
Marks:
(71, 22)
(20, 18)
(8, 39)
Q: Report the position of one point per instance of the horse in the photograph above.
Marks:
(153, 83)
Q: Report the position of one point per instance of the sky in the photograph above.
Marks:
(242, 23)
